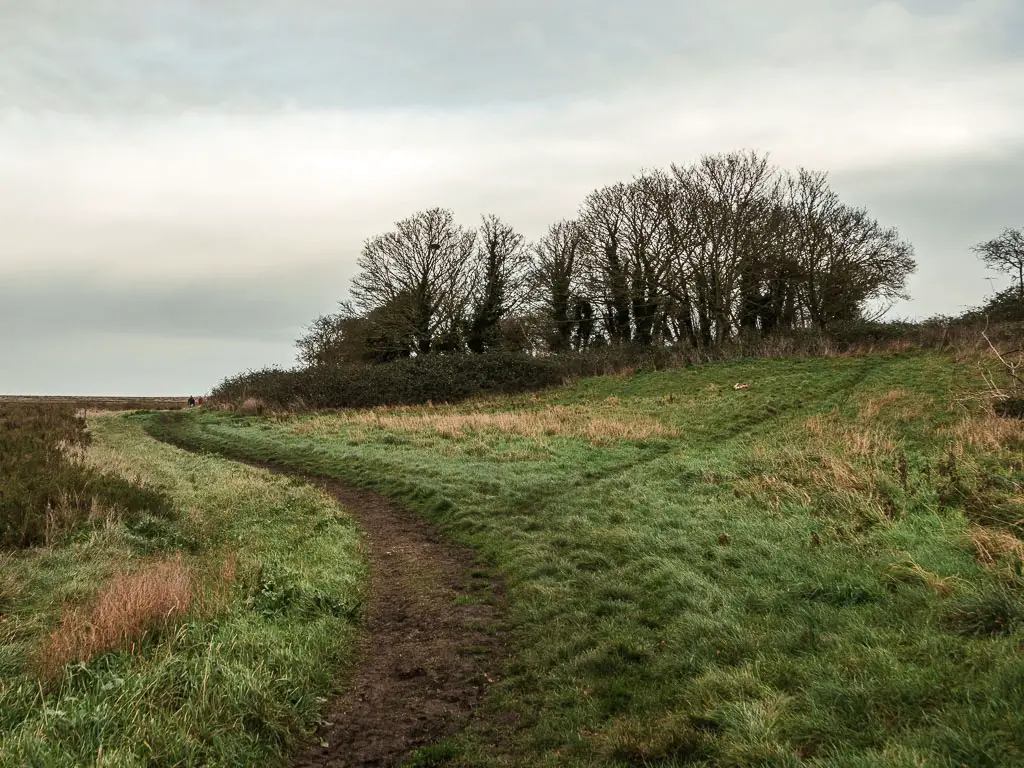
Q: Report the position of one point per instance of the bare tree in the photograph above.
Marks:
(855, 261)
(730, 244)
(647, 252)
(556, 273)
(320, 340)
(1005, 254)
(421, 270)
(718, 228)
(682, 317)
(753, 249)
(500, 272)
(350, 337)
(602, 221)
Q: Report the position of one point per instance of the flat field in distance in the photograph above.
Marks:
(100, 403)
(824, 569)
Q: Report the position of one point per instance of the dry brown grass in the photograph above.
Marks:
(835, 464)
(896, 404)
(551, 421)
(127, 608)
(993, 547)
(910, 571)
(842, 456)
(831, 436)
(987, 432)
(773, 490)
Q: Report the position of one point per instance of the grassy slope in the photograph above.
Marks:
(791, 581)
(226, 689)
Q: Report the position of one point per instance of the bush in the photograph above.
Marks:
(452, 377)
(433, 378)
(1003, 307)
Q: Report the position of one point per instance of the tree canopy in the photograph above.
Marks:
(694, 254)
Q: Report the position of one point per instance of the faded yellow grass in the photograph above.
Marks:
(550, 421)
(987, 432)
(774, 490)
(897, 404)
(129, 606)
(835, 455)
(831, 459)
(993, 546)
(910, 571)
(830, 433)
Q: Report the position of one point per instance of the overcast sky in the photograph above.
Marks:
(184, 185)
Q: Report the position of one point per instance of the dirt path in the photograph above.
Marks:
(430, 646)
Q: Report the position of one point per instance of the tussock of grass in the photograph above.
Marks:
(995, 547)
(986, 431)
(908, 571)
(817, 570)
(896, 405)
(125, 609)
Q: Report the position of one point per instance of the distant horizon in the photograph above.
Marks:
(79, 396)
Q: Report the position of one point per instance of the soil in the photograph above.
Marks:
(431, 642)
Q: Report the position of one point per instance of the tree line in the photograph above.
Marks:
(692, 255)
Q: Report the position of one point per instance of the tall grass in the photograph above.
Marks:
(551, 421)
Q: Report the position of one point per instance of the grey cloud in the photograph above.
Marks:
(128, 364)
(151, 55)
(83, 333)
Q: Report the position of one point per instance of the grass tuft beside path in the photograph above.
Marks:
(822, 569)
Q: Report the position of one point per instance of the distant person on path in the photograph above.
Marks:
(191, 402)
(200, 401)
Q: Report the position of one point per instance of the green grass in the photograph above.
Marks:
(234, 685)
(791, 581)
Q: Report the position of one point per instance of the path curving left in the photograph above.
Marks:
(431, 641)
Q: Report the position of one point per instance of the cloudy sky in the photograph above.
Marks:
(184, 185)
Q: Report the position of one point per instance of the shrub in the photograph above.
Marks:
(433, 378)
(452, 377)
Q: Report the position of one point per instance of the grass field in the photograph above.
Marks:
(822, 569)
(211, 633)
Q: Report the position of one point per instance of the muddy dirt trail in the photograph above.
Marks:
(431, 642)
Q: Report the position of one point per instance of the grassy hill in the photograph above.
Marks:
(822, 569)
